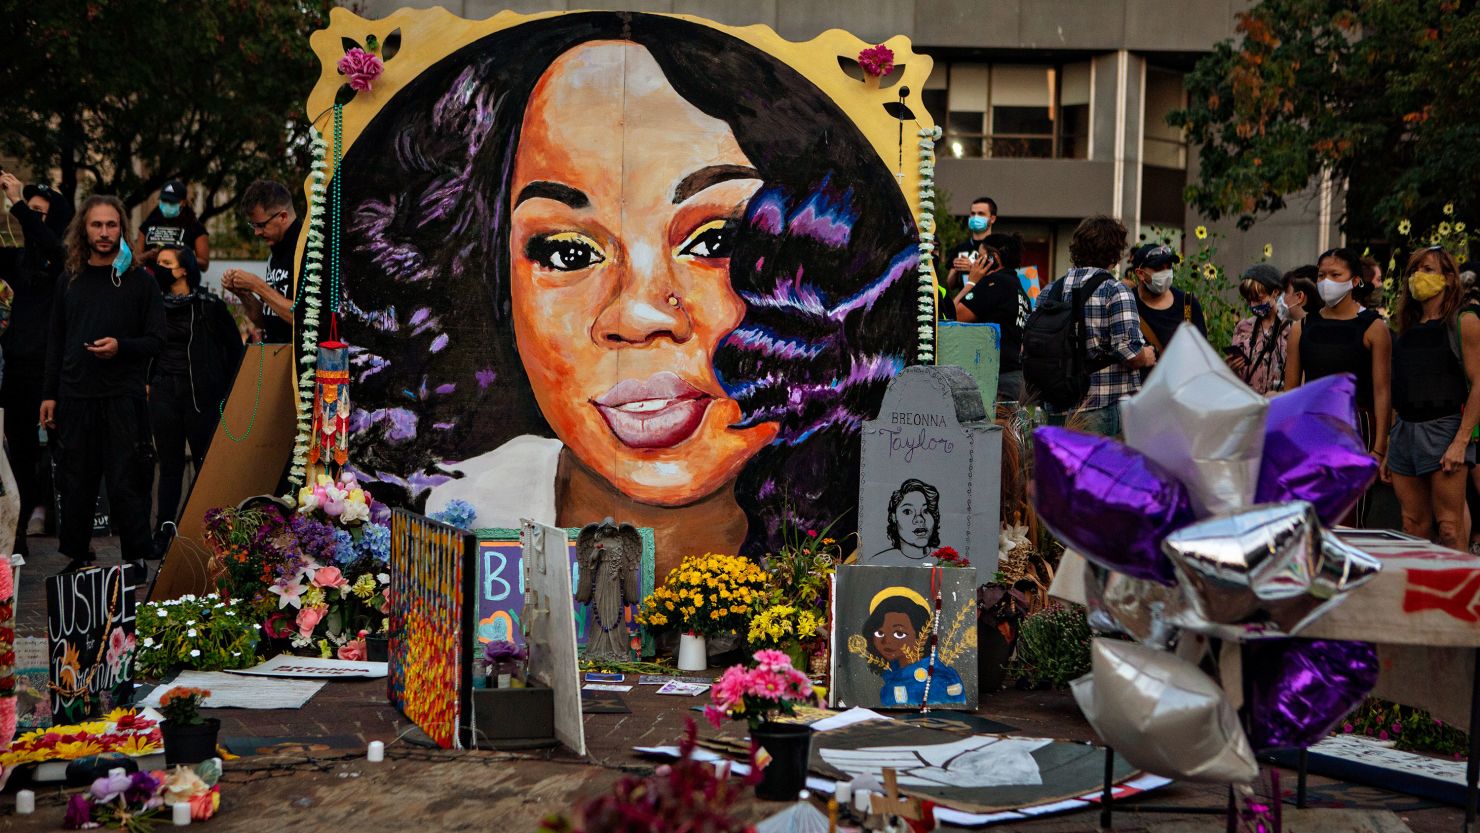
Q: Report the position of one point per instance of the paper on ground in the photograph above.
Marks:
(604, 687)
(314, 668)
(233, 691)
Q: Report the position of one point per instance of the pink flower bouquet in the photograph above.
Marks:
(361, 67)
(769, 689)
(877, 61)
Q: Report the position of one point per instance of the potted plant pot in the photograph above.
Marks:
(790, 748)
(190, 743)
(692, 652)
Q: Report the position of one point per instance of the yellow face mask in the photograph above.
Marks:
(1425, 285)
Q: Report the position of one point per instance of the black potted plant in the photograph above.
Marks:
(189, 738)
(770, 689)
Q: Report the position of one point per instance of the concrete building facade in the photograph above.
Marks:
(1054, 108)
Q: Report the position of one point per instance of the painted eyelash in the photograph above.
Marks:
(543, 247)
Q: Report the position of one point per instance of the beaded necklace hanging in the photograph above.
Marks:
(934, 639)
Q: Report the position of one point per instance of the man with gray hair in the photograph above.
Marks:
(269, 300)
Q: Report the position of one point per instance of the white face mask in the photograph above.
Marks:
(1333, 291)
(1159, 282)
(1281, 309)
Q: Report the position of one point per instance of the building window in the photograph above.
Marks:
(1165, 145)
(1011, 110)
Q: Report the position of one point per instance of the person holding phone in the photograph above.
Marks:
(1162, 307)
(993, 294)
(1257, 352)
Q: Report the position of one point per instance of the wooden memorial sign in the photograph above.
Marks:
(90, 640)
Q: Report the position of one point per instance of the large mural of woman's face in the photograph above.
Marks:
(628, 265)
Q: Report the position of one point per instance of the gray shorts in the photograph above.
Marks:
(1415, 448)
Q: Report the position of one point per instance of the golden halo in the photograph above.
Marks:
(903, 592)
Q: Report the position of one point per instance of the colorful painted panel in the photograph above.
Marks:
(432, 603)
(883, 621)
(90, 641)
(656, 268)
(501, 587)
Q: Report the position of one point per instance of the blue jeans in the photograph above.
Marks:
(1103, 421)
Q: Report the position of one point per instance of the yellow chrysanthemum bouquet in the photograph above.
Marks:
(707, 594)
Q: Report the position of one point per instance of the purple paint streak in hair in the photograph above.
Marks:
(824, 218)
(446, 388)
(904, 263)
(444, 426)
(768, 213)
(485, 377)
(757, 340)
(440, 342)
(421, 315)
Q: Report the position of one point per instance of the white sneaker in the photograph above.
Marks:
(37, 524)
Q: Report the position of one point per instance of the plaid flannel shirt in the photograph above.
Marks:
(1112, 328)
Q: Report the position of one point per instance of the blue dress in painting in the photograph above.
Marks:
(905, 686)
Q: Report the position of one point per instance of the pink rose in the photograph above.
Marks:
(309, 618)
(353, 650)
(362, 68)
(329, 577)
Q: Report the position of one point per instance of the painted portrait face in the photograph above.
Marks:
(914, 523)
(894, 637)
(623, 203)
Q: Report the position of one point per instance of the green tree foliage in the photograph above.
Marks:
(121, 95)
(1378, 92)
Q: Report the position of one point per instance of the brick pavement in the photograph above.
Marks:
(333, 788)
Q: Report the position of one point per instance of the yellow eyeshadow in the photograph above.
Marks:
(709, 226)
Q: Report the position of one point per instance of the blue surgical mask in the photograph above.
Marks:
(169, 209)
(977, 223)
(124, 259)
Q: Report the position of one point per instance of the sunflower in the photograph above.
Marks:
(1404, 226)
(1201, 232)
(1210, 271)
(1444, 229)
(1459, 227)
(1448, 209)
(1269, 250)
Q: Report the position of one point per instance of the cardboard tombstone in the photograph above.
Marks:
(931, 473)
(975, 348)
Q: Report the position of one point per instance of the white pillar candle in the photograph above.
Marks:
(376, 753)
(861, 802)
(180, 814)
(844, 793)
(25, 803)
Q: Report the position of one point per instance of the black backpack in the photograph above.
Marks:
(1054, 361)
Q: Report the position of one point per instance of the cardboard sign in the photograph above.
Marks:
(90, 640)
(501, 587)
(931, 474)
(883, 618)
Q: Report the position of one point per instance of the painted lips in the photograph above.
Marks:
(658, 412)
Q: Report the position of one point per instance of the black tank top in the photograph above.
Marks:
(1329, 346)
(1428, 379)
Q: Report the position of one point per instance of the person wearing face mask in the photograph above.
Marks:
(188, 380)
(1298, 294)
(993, 294)
(1162, 307)
(960, 256)
(1436, 394)
(1343, 337)
(1257, 351)
(173, 224)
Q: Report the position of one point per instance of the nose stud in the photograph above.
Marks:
(672, 300)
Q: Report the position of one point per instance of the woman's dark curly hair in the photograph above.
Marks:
(932, 508)
(1098, 241)
(824, 261)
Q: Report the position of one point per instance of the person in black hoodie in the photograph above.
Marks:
(107, 324)
(188, 380)
(43, 214)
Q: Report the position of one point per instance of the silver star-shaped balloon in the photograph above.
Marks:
(1266, 571)
(1200, 422)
